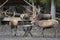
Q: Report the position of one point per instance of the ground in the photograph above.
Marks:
(5, 34)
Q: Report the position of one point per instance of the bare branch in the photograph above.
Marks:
(3, 3)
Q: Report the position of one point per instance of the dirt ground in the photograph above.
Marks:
(5, 33)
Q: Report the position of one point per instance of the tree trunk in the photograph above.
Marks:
(53, 9)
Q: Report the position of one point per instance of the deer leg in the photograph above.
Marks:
(11, 31)
(55, 31)
(15, 30)
(25, 34)
(30, 33)
(42, 31)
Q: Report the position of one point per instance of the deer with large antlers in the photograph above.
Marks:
(46, 23)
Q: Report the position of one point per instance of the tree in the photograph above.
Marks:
(54, 3)
(53, 9)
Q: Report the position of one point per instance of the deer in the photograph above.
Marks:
(46, 23)
(13, 24)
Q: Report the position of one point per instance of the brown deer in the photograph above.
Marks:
(46, 23)
(13, 24)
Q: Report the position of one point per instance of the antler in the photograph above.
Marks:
(3, 3)
(14, 14)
